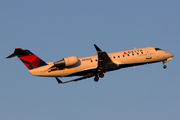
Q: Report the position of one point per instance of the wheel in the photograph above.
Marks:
(101, 75)
(96, 78)
(164, 66)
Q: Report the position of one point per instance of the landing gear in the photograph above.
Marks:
(96, 78)
(101, 75)
(164, 66)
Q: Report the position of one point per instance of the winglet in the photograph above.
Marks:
(97, 48)
(58, 80)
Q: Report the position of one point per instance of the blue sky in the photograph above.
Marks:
(56, 29)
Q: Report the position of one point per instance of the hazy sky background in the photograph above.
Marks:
(62, 28)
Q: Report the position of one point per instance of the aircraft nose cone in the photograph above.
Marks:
(170, 55)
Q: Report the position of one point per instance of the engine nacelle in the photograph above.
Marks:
(69, 61)
(66, 62)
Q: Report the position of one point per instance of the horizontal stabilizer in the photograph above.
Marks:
(17, 52)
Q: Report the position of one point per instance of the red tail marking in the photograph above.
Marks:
(32, 60)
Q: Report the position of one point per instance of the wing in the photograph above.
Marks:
(104, 64)
(75, 80)
(104, 61)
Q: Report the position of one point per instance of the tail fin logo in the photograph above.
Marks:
(30, 60)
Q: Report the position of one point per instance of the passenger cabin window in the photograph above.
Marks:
(157, 49)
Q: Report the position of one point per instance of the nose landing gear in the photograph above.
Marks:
(164, 66)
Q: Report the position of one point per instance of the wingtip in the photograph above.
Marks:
(97, 48)
(58, 80)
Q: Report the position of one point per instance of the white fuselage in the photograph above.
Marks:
(86, 65)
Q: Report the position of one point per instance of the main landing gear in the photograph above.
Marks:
(96, 78)
(101, 75)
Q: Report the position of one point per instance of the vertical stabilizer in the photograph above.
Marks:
(30, 60)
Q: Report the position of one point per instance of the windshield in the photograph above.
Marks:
(157, 49)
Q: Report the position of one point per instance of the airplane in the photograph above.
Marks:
(96, 66)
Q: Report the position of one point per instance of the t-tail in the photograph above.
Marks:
(30, 60)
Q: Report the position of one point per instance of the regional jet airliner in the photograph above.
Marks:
(90, 66)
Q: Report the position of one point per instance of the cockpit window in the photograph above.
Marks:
(157, 49)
